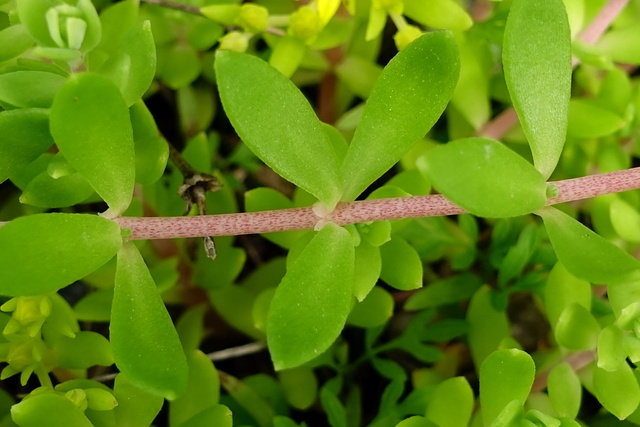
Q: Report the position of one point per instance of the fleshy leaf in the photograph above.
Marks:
(505, 375)
(576, 328)
(585, 254)
(14, 40)
(486, 178)
(405, 103)
(137, 59)
(25, 135)
(565, 390)
(451, 403)
(136, 407)
(618, 391)
(488, 327)
(401, 265)
(313, 300)
(203, 389)
(48, 409)
(277, 123)
(81, 243)
(300, 386)
(91, 126)
(145, 343)
(30, 89)
(537, 68)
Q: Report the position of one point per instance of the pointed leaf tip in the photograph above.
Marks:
(537, 68)
(405, 103)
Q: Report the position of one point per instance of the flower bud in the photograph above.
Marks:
(253, 18)
(235, 41)
(406, 36)
(305, 24)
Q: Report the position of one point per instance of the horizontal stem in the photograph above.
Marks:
(354, 212)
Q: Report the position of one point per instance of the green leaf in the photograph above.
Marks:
(25, 135)
(585, 254)
(451, 403)
(50, 410)
(505, 375)
(401, 265)
(203, 389)
(133, 67)
(372, 311)
(313, 300)
(486, 178)
(178, 65)
(190, 327)
(445, 14)
(30, 89)
(561, 290)
(33, 16)
(588, 120)
(565, 390)
(277, 123)
(576, 328)
(145, 344)
(488, 327)
(136, 407)
(409, 97)
(537, 67)
(620, 43)
(442, 292)
(84, 350)
(91, 126)
(300, 386)
(151, 150)
(618, 391)
(367, 267)
(625, 220)
(47, 192)
(217, 415)
(416, 421)
(611, 349)
(81, 243)
(14, 40)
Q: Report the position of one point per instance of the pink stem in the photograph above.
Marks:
(354, 212)
(501, 124)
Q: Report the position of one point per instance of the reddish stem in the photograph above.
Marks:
(355, 212)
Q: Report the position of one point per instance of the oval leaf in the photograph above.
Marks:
(203, 390)
(145, 344)
(401, 265)
(80, 243)
(405, 103)
(313, 300)
(505, 375)
(486, 178)
(28, 89)
(618, 391)
(48, 410)
(91, 126)
(585, 254)
(565, 390)
(277, 123)
(25, 135)
(452, 403)
(138, 52)
(537, 68)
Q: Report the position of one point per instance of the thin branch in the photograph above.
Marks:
(354, 212)
(501, 124)
(233, 352)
